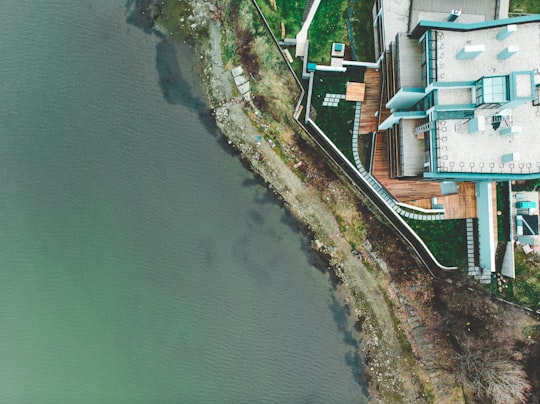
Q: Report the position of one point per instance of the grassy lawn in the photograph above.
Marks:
(447, 239)
(329, 25)
(286, 12)
(526, 287)
(503, 205)
(336, 122)
(362, 28)
(525, 6)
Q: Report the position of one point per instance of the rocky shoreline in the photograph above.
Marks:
(385, 370)
(389, 376)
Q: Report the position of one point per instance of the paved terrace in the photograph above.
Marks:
(460, 151)
(395, 19)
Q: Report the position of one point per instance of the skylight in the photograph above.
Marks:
(492, 90)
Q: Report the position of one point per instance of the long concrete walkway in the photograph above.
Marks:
(302, 35)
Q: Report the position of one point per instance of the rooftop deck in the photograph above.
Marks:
(458, 206)
(419, 193)
(403, 190)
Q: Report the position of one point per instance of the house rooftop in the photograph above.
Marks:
(507, 130)
(402, 16)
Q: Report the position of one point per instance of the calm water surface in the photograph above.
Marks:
(139, 261)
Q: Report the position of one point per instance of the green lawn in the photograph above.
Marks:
(329, 25)
(336, 122)
(362, 28)
(526, 287)
(288, 12)
(447, 239)
(525, 6)
(503, 205)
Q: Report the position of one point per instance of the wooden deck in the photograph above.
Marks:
(419, 193)
(368, 120)
(355, 91)
(458, 206)
(403, 190)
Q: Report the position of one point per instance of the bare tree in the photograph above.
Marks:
(492, 375)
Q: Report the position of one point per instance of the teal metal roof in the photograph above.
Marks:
(425, 25)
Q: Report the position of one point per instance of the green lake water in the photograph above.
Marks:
(140, 262)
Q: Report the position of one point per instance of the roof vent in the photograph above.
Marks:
(476, 125)
(507, 52)
(506, 32)
(510, 130)
(508, 158)
(454, 14)
(470, 51)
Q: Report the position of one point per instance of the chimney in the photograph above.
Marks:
(470, 51)
(506, 32)
(507, 52)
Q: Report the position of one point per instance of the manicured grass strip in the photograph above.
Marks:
(362, 27)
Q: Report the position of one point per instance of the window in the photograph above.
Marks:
(428, 57)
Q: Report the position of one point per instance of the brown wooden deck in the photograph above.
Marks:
(458, 206)
(419, 193)
(403, 190)
(368, 120)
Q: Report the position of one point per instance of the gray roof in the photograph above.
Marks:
(438, 10)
